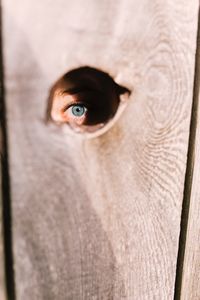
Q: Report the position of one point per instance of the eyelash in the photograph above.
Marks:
(79, 99)
(73, 104)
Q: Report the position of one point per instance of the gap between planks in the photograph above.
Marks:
(189, 171)
(7, 285)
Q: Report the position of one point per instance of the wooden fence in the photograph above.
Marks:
(116, 215)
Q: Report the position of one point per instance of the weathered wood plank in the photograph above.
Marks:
(190, 287)
(99, 218)
(2, 257)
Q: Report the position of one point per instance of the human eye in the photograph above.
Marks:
(75, 114)
(77, 110)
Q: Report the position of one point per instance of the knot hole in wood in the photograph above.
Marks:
(84, 98)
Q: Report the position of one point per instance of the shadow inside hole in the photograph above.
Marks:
(84, 98)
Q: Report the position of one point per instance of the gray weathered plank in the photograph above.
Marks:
(99, 218)
(2, 262)
(190, 288)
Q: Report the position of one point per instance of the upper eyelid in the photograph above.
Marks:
(78, 93)
(73, 104)
(81, 100)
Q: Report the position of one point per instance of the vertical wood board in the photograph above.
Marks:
(190, 289)
(2, 254)
(99, 218)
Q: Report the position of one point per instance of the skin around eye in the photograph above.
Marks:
(67, 108)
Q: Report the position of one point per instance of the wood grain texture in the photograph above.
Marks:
(2, 257)
(99, 218)
(190, 289)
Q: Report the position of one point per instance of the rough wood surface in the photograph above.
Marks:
(191, 278)
(99, 218)
(2, 267)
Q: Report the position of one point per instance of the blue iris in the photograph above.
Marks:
(78, 110)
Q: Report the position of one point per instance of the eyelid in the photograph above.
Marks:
(78, 99)
(73, 104)
(84, 97)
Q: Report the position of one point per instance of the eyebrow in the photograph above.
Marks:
(80, 89)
